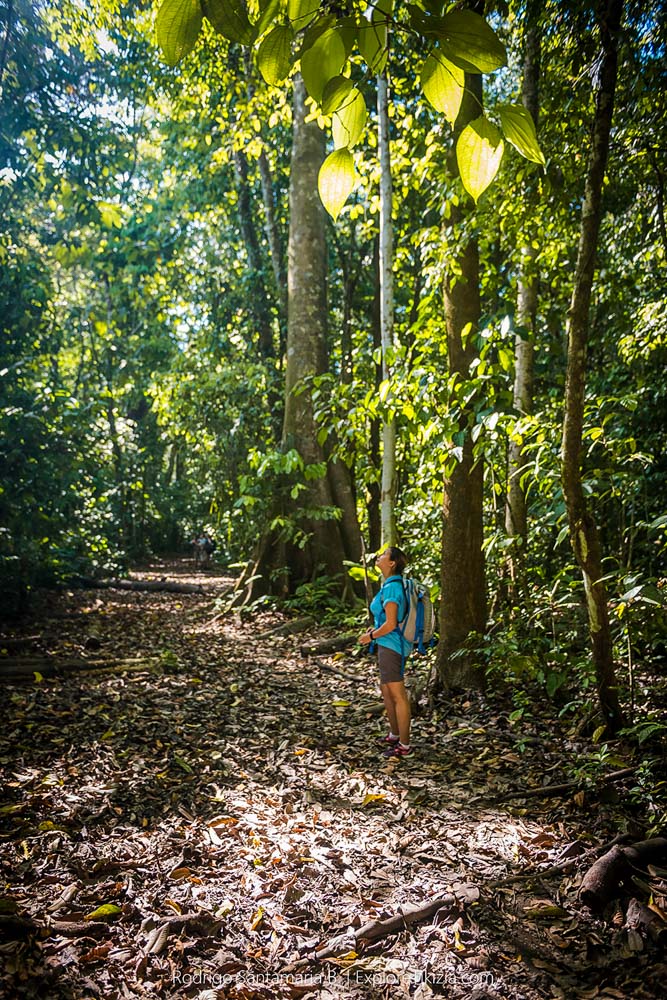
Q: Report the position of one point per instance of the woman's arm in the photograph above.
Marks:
(391, 611)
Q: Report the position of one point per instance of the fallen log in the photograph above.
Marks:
(16, 928)
(613, 872)
(166, 586)
(12, 668)
(316, 647)
(288, 628)
(19, 641)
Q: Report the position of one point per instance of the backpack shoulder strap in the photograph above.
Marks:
(405, 586)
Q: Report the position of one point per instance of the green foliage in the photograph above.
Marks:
(443, 85)
(329, 45)
(467, 40)
(336, 180)
(519, 128)
(139, 401)
(320, 599)
(597, 764)
(230, 19)
(177, 27)
(647, 729)
(322, 62)
(274, 55)
(349, 120)
(479, 150)
(649, 792)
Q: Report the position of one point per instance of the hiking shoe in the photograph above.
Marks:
(398, 750)
(388, 741)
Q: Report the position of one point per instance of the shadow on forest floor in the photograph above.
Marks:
(228, 810)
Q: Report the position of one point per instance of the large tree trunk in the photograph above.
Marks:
(516, 517)
(315, 541)
(389, 477)
(583, 530)
(463, 607)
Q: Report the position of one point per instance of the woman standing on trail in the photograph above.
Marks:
(388, 607)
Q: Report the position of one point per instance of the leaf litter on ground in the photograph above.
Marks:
(216, 821)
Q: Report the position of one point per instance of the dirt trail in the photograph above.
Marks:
(201, 827)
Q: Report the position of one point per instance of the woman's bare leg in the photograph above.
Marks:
(400, 709)
(390, 708)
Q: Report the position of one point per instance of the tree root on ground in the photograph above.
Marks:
(615, 870)
(375, 930)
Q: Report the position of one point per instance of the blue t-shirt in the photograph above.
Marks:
(391, 591)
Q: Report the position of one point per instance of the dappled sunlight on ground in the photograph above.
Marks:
(184, 571)
(232, 810)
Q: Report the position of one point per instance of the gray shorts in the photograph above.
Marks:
(391, 665)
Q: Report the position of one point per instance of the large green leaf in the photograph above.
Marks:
(322, 62)
(269, 11)
(274, 56)
(372, 41)
(335, 93)
(347, 28)
(519, 129)
(301, 12)
(443, 84)
(349, 122)
(336, 180)
(479, 151)
(177, 26)
(316, 29)
(230, 18)
(469, 42)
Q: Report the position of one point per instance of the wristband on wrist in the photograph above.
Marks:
(371, 632)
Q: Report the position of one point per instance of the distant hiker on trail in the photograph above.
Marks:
(204, 547)
(389, 607)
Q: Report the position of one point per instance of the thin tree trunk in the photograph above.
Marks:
(374, 491)
(389, 482)
(275, 244)
(583, 530)
(351, 273)
(259, 304)
(516, 516)
(341, 483)
(463, 608)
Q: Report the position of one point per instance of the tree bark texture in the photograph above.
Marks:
(516, 514)
(583, 529)
(463, 608)
(286, 560)
(389, 480)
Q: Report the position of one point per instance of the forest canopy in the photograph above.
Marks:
(452, 358)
